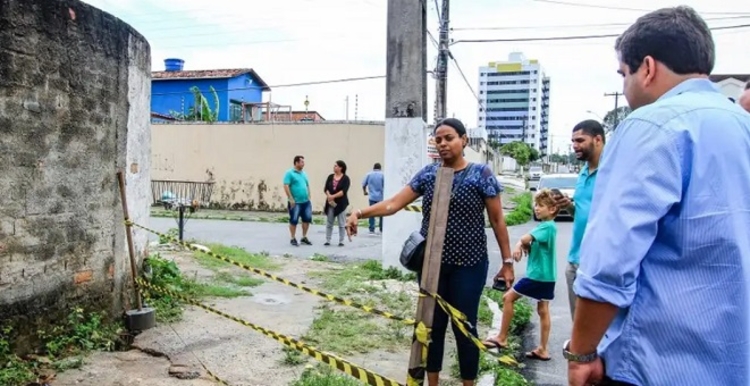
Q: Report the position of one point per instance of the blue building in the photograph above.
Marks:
(171, 93)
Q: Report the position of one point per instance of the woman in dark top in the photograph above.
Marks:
(336, 189)
(463, 271)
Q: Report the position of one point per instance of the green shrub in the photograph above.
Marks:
(522, 212)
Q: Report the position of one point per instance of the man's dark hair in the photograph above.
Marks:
(298, 158)
(677, 37)
(377, 166)
(591, 128)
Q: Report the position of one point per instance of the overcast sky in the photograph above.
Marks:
(294, 41)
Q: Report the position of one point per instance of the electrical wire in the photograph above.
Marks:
(313, 83)
(613, 8)
(600, 25)
(466, 80)
(574, 37)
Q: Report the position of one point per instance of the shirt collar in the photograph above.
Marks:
(585, 170)
(695, 84)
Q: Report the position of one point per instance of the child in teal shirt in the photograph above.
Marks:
(541, 273)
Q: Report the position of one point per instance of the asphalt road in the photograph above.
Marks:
(273, 238)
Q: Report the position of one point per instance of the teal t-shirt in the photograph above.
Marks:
(298, 185)
(541, 265)
(582, 200)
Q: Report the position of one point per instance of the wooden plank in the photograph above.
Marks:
(431, 266)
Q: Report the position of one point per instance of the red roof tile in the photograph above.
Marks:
(208, 74)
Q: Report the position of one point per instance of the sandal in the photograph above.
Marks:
(491, 343)
(534, 355)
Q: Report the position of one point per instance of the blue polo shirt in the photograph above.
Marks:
(582, 201)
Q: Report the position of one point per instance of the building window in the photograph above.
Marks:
(235, 112)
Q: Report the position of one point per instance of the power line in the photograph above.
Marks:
(466, 80)
(536, 27)
(573, 37)
(340, 80)
(613, 8)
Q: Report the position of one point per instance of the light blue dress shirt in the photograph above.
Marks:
(668, 242)
(582, 200)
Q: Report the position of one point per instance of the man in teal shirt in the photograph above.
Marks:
(297, 189)
(588, 142)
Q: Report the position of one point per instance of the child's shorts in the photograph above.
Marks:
(538, 290)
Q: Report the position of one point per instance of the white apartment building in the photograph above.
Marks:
(514, 102)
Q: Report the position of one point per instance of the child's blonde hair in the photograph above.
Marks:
(546, 198)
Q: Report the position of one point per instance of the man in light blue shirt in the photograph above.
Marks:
(588, 141)
(664, 280)
(372, 185)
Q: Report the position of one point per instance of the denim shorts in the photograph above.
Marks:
(300, 210)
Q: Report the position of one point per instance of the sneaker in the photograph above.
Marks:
(341, 244)
(372, 231)
(305, 241)
(327, 244)
(294, 242)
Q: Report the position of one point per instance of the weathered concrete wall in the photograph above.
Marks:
(74, 102)
(247, 162)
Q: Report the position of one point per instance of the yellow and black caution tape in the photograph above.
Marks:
(413, 208)
(261, 272)
(365, 376)
(456, 316)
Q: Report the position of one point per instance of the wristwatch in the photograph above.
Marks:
(586, 358)
(508, 261)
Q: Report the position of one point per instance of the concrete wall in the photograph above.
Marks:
(74, 108)
(248, 161)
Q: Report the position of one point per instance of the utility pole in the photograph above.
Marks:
(617, 100)
(441, 87)
(405, 150)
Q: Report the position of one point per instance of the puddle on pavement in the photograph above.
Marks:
(271, 299)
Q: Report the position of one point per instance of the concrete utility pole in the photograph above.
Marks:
(617, 100)
(406, 109)
(441, 88)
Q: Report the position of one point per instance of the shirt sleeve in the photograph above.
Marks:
(639, 180)
(542, 233)
(488, 184)
(419, 181)
(287, 178)
(364, 180)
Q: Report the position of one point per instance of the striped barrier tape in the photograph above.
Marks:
(456, 316)
(363, 375)
(413, 208)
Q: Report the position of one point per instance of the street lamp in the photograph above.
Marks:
(595, 114)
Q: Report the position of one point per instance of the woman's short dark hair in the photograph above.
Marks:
(342, 165)
(454, 123)
(677, 37)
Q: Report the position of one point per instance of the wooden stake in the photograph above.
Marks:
(431, 266)
(129, 234)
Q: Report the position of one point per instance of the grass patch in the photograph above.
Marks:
(347, 331)
(522, 213)
(523, 311)
(292, 357)
(63, 346)
(240, 255)
(166, 274)
(324, 376)
(238, 280)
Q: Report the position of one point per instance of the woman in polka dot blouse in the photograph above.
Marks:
(463, 272)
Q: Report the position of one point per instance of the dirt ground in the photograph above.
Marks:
(236, 353)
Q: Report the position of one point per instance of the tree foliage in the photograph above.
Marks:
(615, 116)
(201, 109)
(522, 152)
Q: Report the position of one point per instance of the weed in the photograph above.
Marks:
(324, 376)
(354, 278)
(509, 377)
(523, 311)
(319, 257)
(347, 332)
(254, 260)
(522, 212)
(292, 357)
(166, 274)
(239, 280)
(78, 333)
(172, 232)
